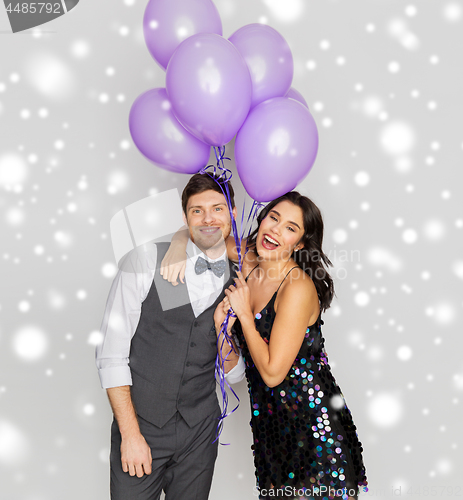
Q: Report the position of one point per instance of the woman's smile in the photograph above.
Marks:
(269, 243)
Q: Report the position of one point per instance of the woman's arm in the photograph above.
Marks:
(298, 302)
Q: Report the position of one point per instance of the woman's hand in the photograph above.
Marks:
(173, 264)
(240, 297)
(220, 314)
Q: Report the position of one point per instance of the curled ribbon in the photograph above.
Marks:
(222, 176)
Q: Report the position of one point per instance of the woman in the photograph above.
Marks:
(305, 441)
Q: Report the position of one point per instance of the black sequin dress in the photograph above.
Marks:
(304, 435)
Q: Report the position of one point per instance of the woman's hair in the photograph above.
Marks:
(310, 257)
(199, 183)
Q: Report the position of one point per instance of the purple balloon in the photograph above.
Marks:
(297, 96)
(269, 60)
(275, 148)
(209, 86)
(167, 23)
(161, 138)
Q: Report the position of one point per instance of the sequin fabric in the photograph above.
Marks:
(304, 435)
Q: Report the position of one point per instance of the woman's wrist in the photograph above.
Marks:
(246, 319)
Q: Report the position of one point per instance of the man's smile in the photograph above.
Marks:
(209, 230)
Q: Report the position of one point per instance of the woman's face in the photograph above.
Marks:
(280, 232)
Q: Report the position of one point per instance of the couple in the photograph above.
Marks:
(164, 401)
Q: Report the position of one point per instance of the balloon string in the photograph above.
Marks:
(256, 205)
(222, 176)
(220, 373)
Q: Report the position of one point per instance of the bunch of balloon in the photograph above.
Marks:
(218, 88)
(208, 86)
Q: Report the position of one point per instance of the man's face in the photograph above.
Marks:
(208, 219)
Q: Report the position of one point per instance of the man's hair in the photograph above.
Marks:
(205, 182)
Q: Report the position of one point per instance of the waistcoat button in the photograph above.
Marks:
(193, 344)
(195, 323)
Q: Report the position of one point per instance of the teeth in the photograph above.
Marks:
(271, 241)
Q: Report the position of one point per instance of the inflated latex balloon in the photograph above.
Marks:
(209, 86)
(297, 96)
(167, 23)
(275, 148)
(269, 60)
(161, 138)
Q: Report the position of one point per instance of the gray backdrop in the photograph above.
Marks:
(383, 80)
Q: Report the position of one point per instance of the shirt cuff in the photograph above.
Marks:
(236, 374)
(115, 376)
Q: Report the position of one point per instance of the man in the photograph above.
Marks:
(157, 359)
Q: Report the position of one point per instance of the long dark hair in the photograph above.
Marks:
(311, 257)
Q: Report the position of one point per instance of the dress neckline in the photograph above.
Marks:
(279, 286)
(273, 299)
(275, 294)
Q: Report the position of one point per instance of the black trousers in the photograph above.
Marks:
(183, 461)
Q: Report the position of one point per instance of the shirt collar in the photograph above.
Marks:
(193, 252)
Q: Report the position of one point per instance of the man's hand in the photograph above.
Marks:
(136, 456)
(135, 452)
(220, 314)
(230, 354)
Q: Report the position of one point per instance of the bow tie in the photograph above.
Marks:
(202, 265)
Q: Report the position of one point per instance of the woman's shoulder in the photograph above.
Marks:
(298, 291)
(298, 282)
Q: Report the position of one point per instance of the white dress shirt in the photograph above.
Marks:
(203, 289)
(123, 309)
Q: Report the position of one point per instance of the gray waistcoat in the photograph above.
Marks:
(172, 356)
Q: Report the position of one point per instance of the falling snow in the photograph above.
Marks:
(383, 88)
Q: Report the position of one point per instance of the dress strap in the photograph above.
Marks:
(285, 278)
(246, 279)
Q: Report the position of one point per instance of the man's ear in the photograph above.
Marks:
(234, 212)
(184, 218)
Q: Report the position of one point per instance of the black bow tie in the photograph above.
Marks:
(202, 265)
